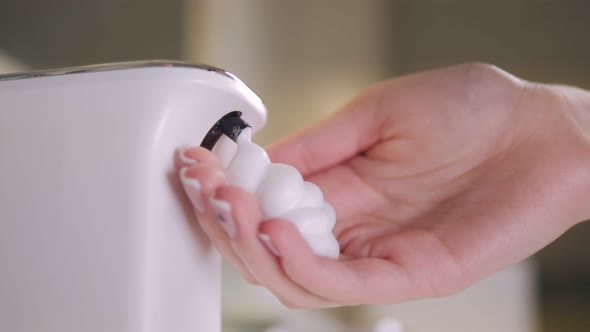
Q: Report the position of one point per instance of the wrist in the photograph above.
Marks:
(584, 116)
(575, 105)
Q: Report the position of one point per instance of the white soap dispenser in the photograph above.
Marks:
(95, 232)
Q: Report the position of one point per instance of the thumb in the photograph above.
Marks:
(342, 135)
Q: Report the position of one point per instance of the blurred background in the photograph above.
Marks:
(305, 59)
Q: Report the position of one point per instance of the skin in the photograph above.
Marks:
(439, 179)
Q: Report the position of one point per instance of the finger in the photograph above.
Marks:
(348, 282)
(201, 181)
(197, 155)
(333, 140)
(240, 208)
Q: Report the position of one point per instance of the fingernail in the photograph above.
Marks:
(192, 187)
(223, 214)
(183, 157)
(265, 238)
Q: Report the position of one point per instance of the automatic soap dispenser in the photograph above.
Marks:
(95, 232)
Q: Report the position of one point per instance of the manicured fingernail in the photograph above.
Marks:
(183, 157)
(223, 214)
(265, 239)
(192, 187)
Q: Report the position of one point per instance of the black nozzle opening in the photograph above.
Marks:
(230, 125)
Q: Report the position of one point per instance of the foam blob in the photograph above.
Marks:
(248, 166)
(282, 193)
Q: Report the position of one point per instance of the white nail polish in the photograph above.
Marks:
(185, 159)
(265, 238)
(223, 214)
(192, 187)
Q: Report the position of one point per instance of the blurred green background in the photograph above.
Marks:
(305, 59)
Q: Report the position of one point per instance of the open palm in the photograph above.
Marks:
(438, 180)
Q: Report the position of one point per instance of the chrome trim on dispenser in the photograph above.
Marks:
(114, 66)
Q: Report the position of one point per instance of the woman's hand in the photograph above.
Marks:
(438, 179)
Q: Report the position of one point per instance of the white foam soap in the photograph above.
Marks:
(282, 193)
